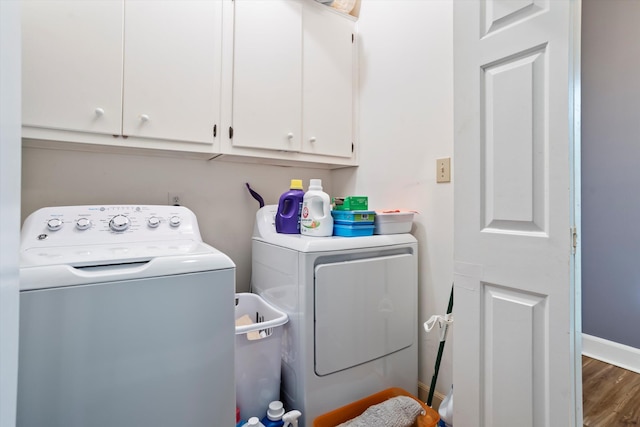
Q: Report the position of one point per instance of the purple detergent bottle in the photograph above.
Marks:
(289, 209)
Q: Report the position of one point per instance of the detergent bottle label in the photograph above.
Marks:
(314, 220)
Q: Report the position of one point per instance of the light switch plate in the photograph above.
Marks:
(443, 170)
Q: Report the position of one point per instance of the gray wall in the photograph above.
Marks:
(611, 170)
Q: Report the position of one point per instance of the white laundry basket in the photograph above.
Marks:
(258, 359)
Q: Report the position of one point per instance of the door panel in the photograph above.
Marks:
(515, 345)
(514, 146)
(500, 13)
(364, 310)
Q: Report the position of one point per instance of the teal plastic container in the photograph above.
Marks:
(353, 217)
(353, 230)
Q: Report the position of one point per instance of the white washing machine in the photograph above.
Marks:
(352, 306)
(126, 319)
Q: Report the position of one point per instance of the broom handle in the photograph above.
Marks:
(432, 388)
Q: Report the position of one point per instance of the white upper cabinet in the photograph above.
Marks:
(72, 65)
(267, 74)
(148, 71)
(251, 80)
(327, 90)
(293, 80)
(172, 69)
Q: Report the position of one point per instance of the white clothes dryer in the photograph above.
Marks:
(352, 307)
(126, 319)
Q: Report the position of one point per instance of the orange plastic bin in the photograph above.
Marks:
(352, 410)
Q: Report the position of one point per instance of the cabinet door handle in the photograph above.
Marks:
(144, 117)
(99, 111)
(290, 135)
(312, 139)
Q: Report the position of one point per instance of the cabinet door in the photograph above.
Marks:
(172, 69)
(267, 74)
(72, 65)
(327, 107)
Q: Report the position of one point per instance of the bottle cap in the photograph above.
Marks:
(253, 421)
(275, 411)
(315, 185)
(296, 184)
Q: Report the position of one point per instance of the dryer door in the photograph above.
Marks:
(364, 310)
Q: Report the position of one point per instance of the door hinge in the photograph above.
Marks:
(215, 130)
(574, 239)
(230, 132)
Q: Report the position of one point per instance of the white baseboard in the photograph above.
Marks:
(611, 352)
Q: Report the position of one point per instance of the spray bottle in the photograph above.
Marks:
(291, 418)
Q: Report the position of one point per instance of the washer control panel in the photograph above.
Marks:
(80, 225)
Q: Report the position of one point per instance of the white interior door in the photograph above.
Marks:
(516, 347)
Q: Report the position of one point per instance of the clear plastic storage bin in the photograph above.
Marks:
(258, 353)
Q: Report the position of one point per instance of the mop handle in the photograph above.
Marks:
(432, 388)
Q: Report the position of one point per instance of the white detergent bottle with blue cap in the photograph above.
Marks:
(274, 415)
(316, 219)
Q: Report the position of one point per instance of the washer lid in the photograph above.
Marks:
(265, 231)
(111, 254)
(59, 267)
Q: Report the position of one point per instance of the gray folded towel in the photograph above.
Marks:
(400, 411)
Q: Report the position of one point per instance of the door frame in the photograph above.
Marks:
(576, 212)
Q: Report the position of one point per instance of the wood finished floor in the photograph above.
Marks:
(610, 395)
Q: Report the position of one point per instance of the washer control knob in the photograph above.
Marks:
(119, 223)
(83, 223)
(175, 221)
(153, 222)
(54, 224)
